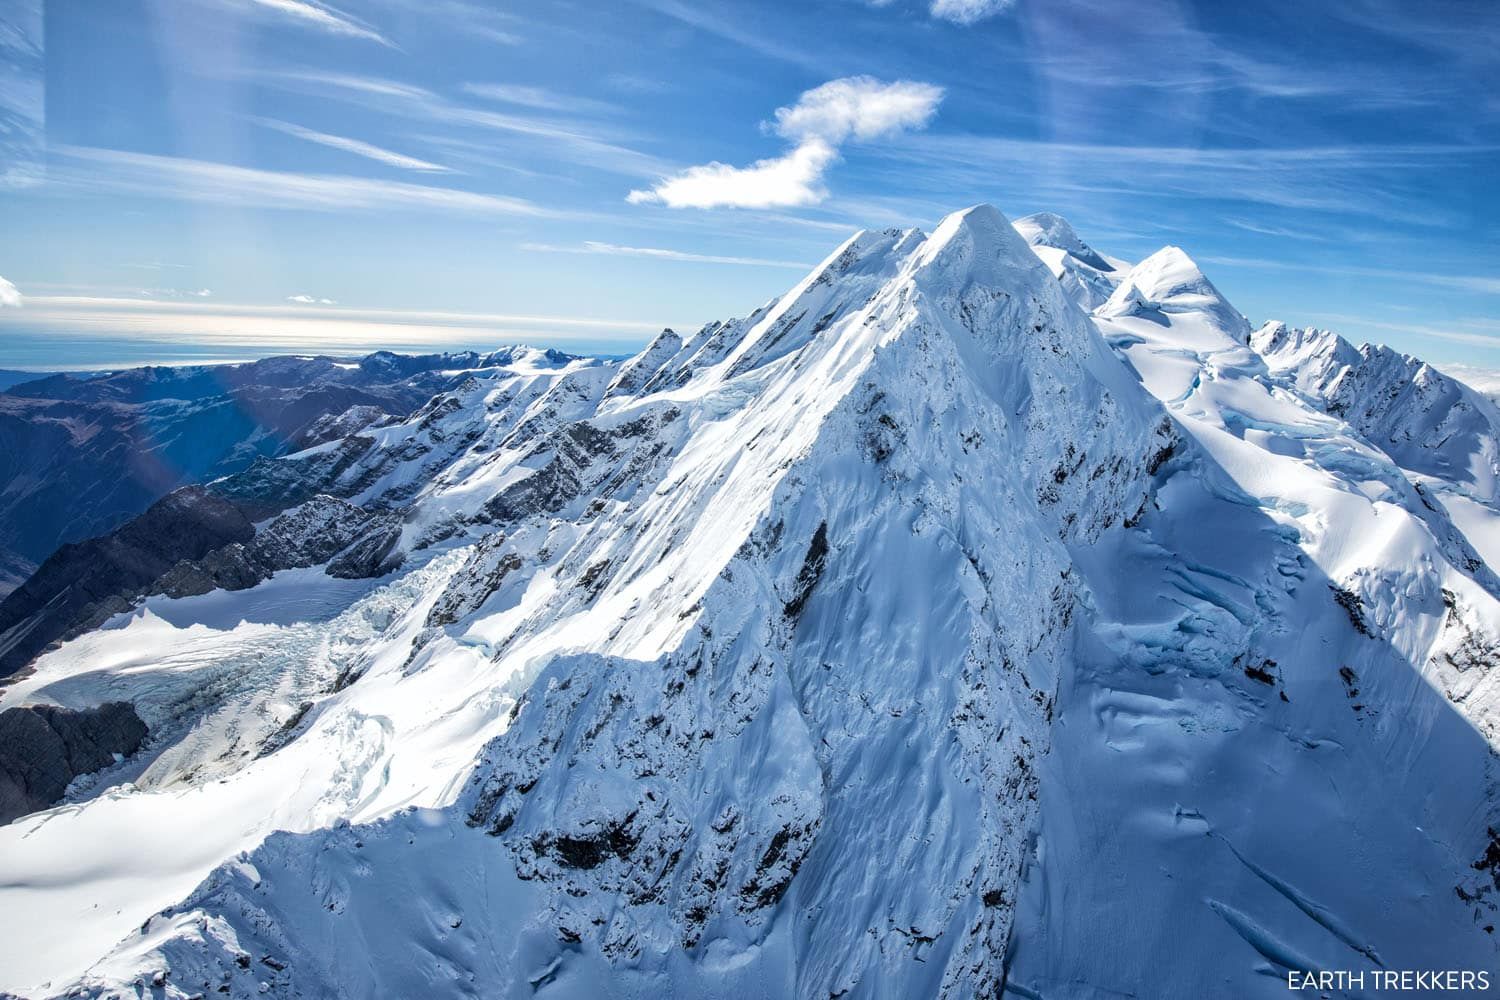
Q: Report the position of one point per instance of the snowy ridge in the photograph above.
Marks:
(912, 636)
(1088, 276)
(1429, 423)
(1050, 230)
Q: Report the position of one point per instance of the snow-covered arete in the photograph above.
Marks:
(919, 635)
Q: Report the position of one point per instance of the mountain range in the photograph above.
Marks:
(82, 453)
(986, 616)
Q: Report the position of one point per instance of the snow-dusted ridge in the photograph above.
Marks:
(920, 634)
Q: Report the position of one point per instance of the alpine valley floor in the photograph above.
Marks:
(984, 617)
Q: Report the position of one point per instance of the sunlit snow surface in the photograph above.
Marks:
(1125, 535)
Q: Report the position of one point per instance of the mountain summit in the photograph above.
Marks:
(922, 633)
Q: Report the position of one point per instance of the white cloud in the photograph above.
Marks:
(968, 11)
(309, 300)
(615, 250)
(794, 179)
(854, 108)
(1486, 380)
(354, 146)
(10, 297)
(371, 86)
(858, 107)
(316, 15)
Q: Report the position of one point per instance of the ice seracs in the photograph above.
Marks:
(919, 634)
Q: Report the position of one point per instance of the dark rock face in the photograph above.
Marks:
(355, 543)
(191, 542)
(42, 749)
(81, 585)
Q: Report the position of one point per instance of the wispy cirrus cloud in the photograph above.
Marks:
(202, 180)
(705, 18)
(590, 144)
(1484, 284)
(1308, 183)
(539, 98)
(1097, 57)
(1279, 231)
(175, 293)
(471, 20)
(968, 11)
(22, 95)
(615, 250)
(310, 300)
(351, 83)
(319, 16)
(858, 108)
(355, 146)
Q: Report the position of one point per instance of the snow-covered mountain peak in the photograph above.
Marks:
(1046, 229)
(1086, 275)
(1169, 281)
(635, 373)
(1300, 350)
(981, 234)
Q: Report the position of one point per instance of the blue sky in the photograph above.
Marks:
(225, 178)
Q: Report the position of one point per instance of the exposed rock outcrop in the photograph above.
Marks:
(43, 748)
(82, 585)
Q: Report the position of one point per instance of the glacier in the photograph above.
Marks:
(984, 617)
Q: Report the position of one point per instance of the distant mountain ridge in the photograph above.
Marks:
(80, 453)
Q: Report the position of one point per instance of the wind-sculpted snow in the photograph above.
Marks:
(916, 635)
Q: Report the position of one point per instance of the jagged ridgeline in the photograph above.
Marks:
(983, 617)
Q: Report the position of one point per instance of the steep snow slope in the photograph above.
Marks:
(1261, 745)
(901, 639)
(199, 537)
